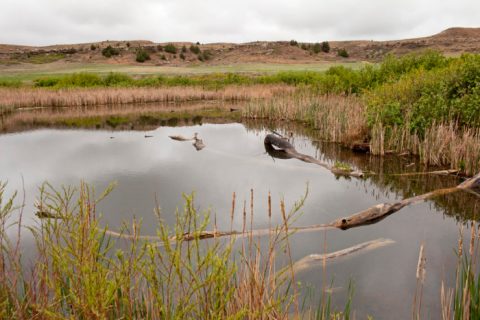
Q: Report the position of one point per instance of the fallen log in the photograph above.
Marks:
(286, 151)
(368, 216)
(311, 259)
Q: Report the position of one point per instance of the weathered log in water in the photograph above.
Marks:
(368, 216)
(278, 143)
(383, 210)
(315, 258)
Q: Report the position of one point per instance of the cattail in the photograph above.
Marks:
(232, 212)
(472, 239)
(460, 242)
(269, 205)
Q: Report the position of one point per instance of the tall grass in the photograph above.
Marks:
(40, 97)
(80, 271)
(337, 118)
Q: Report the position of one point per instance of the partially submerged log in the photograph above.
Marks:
(279, 143)
(315, 258)
(381, 211)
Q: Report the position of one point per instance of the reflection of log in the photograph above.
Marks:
(311, 259)
(180, 138)
(281, 144)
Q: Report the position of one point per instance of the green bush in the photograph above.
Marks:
(93, 47)
(170, 48)
(342, 53)
(317, 48)
(110, 51)
(325, 46)
(293, 43)
(195, 49)
(117, 79)
(205, 55)
(304, 46)
(142, 55)
(184, 49)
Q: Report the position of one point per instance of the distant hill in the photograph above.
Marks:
(452, 41)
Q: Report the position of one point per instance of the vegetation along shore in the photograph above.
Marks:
(425, 105)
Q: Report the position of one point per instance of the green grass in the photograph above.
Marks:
(27, 73)
(83, 271)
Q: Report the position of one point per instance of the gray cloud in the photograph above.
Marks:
(40, 22)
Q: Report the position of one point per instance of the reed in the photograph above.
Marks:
(81, 272)
(44, 97)
(443, 144)
(337, 118)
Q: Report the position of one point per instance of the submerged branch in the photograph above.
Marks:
(311, 259)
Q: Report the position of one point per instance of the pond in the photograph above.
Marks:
(157, 169)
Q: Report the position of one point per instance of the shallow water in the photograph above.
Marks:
(153, 169)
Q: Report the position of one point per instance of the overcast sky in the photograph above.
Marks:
(42, 22)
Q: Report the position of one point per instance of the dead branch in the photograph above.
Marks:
(280, 146)
(311, 259)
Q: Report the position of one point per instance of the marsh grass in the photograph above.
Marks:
(40, 97)
(82, 272)
(336, 118)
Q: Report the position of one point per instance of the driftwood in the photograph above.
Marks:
(371, 215)
(279, 147)
(312, 259)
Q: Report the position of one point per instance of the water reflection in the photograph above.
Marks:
(235, 160)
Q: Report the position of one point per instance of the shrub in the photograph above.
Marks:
(163, 57)
(342, 53)
(142, 55)
(205, 56)
(184, 49)
(160, 48)
(293, 43)
(317, 48)
(182, 56)
(195, 49)
(170, 48)
(304, 46)
(325, 46)
(128, 44)
(110, 51)
(117, 79)
(93, 47)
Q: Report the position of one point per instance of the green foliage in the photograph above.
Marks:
(184, 49)
(342, 53)
(110, 51)
(10, 83)
(142, 55)
(205, 55)
(432, 89)
(293, 43)
(304, 46)
(317, 48)
(170, 48)
(45, 58)
(93, 47)
(118, 79)
(325, 47)
(195, 49)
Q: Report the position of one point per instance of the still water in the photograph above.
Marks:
(159, 169)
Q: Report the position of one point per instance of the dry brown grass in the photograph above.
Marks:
(41, 97)
(442, 145)
(337, 118)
